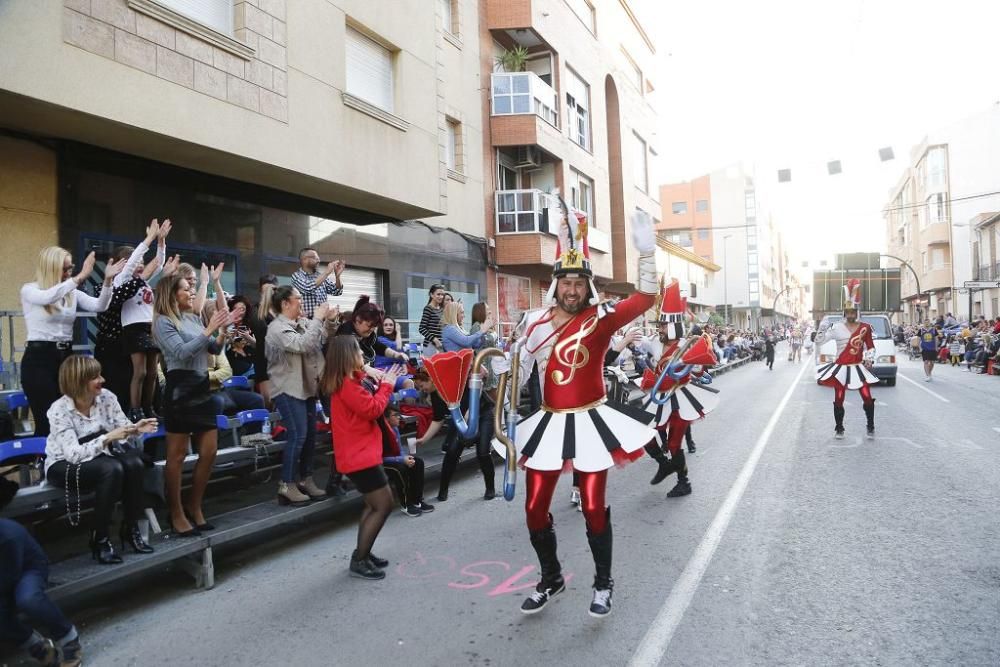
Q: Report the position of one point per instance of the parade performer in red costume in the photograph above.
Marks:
(855, 353)
(576, 428)
(676, 403)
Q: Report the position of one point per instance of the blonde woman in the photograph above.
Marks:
(259, 320)
(50, 305)
(454, 335)
(93, 447)
(188, 405)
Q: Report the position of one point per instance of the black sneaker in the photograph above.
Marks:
(411, 510)
(871, 432)
(839, 434)
(44, 653)
(489, 495)
(543, 593)
(683, 488)
(425, 507)
(600, 606)
(380, 563)
(72, 654)
(365, 569)
(691, 448)
(333, 490)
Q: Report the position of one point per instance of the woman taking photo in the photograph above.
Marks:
(295, 365)
(354, 416)
(92, 448)
(430, 321)
(188, 405)
(49, 305)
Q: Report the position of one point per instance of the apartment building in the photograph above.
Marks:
(986, 264)
(695, 274)
(719, 218)
(259, 127)
(933, 218)
(573, 116)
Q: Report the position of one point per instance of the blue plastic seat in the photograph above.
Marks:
(403, 394)
(258, 416)
(236, 382)
(11, 449)
(17, 400)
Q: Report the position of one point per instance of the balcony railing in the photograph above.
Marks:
(521, 211)
(516, 93)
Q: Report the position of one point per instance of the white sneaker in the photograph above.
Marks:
(574, 497)
(927, 379)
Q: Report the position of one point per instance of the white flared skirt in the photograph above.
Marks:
(691, 402)
(590, 440)
(850, 376)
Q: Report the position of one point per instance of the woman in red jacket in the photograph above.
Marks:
(354, 415)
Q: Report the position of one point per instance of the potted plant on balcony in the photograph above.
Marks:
(513, 60)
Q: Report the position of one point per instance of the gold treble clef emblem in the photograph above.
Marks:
(572, 352)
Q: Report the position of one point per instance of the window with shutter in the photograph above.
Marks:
(216, 14)
(369, 70)
(359, 281)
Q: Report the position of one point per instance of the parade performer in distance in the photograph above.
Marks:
(855, 354)
(676, 403)
(577, 428)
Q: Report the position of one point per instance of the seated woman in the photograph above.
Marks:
(390, 335)
(91, 447)
(405, 471)
(363, 324)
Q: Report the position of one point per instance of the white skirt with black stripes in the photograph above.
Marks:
(850, 376)
(590, 440)
(691, 402)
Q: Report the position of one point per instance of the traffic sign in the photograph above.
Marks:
(981, 284)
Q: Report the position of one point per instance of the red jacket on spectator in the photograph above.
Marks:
(354, 414)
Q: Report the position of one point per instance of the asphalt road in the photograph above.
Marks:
(850, 552)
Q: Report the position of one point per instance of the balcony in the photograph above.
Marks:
(938, 232)
(521, 93)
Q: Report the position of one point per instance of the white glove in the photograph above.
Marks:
(643, 234)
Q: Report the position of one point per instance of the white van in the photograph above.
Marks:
(885, 348)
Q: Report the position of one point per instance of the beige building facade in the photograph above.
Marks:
(259, 127)
(573, 117)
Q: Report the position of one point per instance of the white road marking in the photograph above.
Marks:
(857, 443)
(907, 440)
(661, 631)
(920, 386)
(997, 429)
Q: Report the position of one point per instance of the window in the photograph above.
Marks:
(935, 170)
(453, 150)
(449, 16)
(582, 194)
(703, 234)
(937, 258)
(701, 206)
(369, 70)
(640, 165)
(585, 12)
(936, 208)
(216, 14)
(578, 109)
(679, 207)
(923, 260)
(681, 237)
(635, 74)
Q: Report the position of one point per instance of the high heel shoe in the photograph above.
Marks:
(103, 551)
(198, 526)
(193, 532)
(132, 536)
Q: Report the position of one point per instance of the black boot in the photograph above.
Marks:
(690, 441)
(666, 465)
(552, 583)
(838, 417)
(489, 476)
(870, 414)
(103, 551)
(132, 536)
(683, 487)
(601, 548)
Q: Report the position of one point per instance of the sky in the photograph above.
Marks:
(797, 83)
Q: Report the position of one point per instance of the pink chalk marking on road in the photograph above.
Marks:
(484, 580)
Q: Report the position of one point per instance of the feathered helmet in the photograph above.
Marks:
(852, 294)
(572, 249)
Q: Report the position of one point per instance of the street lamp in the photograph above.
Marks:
(725, 273)
(774, 306)
(903, 262)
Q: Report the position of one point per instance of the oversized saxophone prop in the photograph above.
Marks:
(675, 373)
(508, 438)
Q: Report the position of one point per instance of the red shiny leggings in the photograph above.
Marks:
(840, 393)
(675, 433)
(542, 484)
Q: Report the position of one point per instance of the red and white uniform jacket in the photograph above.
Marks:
(853, 349)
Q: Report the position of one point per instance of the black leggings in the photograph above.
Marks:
(455, 444)
(111, 478)
(40, 381)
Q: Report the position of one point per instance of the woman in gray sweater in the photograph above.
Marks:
(189, 411)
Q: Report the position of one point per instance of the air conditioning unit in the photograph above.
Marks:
(527, 156)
